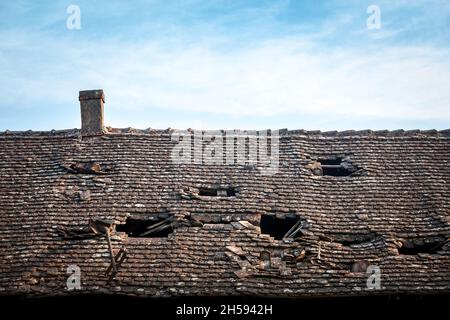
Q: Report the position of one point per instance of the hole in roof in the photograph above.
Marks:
(331, 161)
(217, 192)
(86, 167)
(153, 227)
(280, 228)
(335, 167)
(412, 248)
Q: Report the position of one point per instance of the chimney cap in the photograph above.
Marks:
(91, 95)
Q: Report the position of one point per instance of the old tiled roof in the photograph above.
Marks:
(401, 200)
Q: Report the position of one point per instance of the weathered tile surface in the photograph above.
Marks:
(403, 195)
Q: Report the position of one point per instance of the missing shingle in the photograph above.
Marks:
(280, 228)
(205, 192)
(152, 227)
(86, 167)
(94, 228)
(335, 166)
(410, 247)
(217, 192)
(332, 161)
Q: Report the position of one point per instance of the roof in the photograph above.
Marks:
(391, 218)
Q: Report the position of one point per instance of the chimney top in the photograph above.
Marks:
(91, 94)
(91, 105)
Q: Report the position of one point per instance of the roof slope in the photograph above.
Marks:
(401, 199)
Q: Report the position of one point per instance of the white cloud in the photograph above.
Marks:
(274, 77)
(287, 75)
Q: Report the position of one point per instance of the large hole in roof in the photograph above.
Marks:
(156, 227)
(278, 227)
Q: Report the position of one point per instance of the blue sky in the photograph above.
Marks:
(227, 64)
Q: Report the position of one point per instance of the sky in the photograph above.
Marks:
(316, 65)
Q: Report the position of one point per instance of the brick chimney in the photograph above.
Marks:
(91, 103)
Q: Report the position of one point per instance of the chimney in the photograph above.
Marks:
(91, 103)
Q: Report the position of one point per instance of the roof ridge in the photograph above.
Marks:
(284, 131)
(49, 133)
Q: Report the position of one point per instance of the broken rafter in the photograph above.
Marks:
(105, 227)
(294, 230)
(119, 259)
(111, 253)
(157, 229)
(169, 219)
